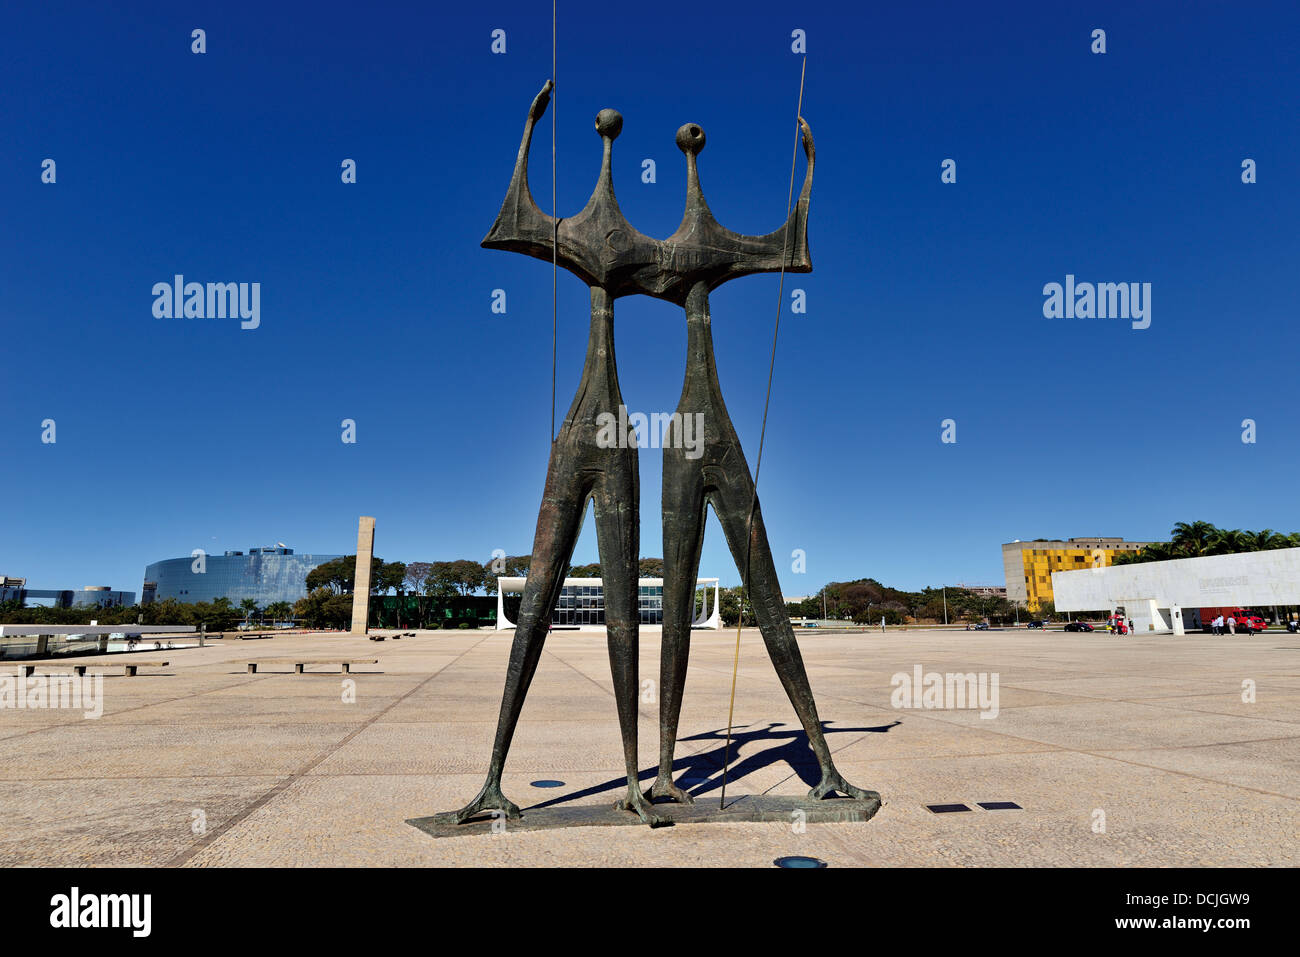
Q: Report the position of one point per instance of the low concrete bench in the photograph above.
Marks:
(298, 663)
(27, 668)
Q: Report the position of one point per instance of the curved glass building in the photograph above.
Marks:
(265, 575)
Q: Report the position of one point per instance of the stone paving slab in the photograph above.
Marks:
(1151, 733)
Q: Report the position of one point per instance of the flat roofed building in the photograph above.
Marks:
(94, 596)
(1029, 565)
(1167, 596)
(582, 602)
(984, 591)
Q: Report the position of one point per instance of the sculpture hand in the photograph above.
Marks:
(539, 102)
(809, 150)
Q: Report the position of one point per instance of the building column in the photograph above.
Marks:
(361, 586)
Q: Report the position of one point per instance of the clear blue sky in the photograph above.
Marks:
(925, 302)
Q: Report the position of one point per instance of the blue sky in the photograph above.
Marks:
(925, 302)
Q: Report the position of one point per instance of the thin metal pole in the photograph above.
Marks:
(753, 502)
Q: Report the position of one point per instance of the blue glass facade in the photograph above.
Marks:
(265, 575)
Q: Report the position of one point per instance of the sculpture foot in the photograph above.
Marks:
(636, 802)
(833, 781)
(664, 788)
(489, 799)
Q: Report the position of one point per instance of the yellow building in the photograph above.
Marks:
(1029, 565)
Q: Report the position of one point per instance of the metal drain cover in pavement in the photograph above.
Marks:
(799, 862)
(947, 808)
(1000, 805)
(547, 783)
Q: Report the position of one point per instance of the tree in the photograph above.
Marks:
(249, 607)
(1192, 538)
(651, 568)
(324, 608)
(461, 577)
(279, 610)
(386, 577)
(417, 573)
(729, 605)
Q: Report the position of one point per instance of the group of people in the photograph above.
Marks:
(1222, 626)
(1119, 626)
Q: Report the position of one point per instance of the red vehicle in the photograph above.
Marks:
(1247, 620)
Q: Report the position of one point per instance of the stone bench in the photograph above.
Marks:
(27, 668)
(298, 663)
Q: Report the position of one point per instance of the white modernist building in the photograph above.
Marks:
(1165, 597)
(582, 603)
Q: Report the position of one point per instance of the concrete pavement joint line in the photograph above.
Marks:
(1186, 774)
(936, 716)
(142, 777)
(608, 691)
(1208, 744)
(220, 830)
(139, 707)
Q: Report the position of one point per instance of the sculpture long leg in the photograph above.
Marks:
(720, 470)
(558, 523)
(618, 532)
(683, 530)
(731, 501)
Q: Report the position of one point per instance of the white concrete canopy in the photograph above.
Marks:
(1155, 594)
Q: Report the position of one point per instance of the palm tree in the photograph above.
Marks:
(278, 610)
(1266, 539)
(248, 606)
(1229, 542)
(1193, 538)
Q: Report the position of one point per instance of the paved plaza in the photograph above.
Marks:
(1120, 752)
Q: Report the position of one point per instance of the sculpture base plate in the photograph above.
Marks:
(743, 809)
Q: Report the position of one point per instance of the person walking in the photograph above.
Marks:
(1232, 625)
(1217, 625)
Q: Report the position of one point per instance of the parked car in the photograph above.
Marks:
(1079, 626)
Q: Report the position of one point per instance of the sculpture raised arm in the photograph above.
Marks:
(521, 226)
(728, 254)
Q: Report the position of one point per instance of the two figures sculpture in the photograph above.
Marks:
(607, 253)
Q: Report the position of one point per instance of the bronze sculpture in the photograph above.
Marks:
(614, 259)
